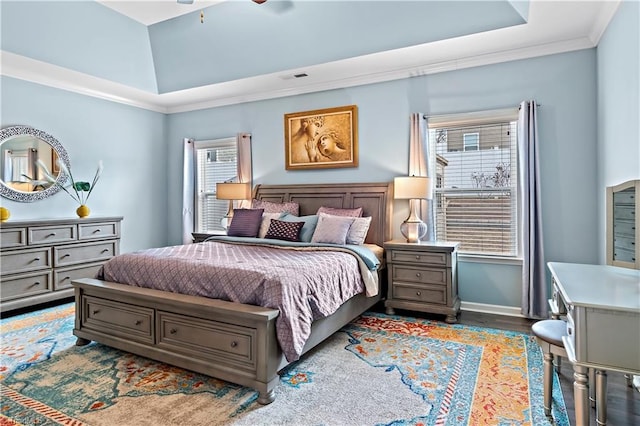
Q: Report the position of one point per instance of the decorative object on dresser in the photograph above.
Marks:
(4, 214)
(20, 148)
(414, 189)
(623, 224)
(232, 191)
(423, 277)
(323, 138)
(40, 257)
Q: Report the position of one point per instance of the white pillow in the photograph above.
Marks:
(266, 221)
(332, 229)
(358, 230)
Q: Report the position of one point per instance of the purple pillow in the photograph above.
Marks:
(245, 223)
(356, 212)
(281, 230)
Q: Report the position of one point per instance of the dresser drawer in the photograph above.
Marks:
(419, 275)
(82, 253)
(100, 230)
(25, 260)
(204, 338)
(118, 319)
(418, 257)
(15, 237)
(427, 293)
(62, 277)
(15, 287)
(52, 234)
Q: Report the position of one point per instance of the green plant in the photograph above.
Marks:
(81, 189)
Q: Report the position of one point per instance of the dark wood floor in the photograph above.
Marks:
(623, 402)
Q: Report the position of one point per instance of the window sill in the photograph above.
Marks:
(497, 260)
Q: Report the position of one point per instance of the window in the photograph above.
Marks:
(215, 161)
(474, 156)
(471, 141)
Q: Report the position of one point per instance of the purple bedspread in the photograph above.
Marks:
(304, 285)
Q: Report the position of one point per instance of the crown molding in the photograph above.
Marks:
(252, 89)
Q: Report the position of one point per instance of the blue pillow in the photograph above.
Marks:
(308, 228)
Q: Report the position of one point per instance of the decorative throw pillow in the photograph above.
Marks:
(271, 207)
(356, 212)
(281, 230)
(309, 226)
(266, 221)
(245, 223)
(332, 229)
(358, 230)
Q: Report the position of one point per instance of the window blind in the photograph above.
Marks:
(474, 156)
(216, 161)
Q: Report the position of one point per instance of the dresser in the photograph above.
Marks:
(423, 277)
(40, 258)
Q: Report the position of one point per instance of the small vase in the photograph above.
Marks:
(4, 214)
(83, 211)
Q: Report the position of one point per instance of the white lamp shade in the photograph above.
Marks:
(412, 187)
(233, 191)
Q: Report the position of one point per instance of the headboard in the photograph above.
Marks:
(374, 198)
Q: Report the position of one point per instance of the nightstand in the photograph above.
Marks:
(423, 277)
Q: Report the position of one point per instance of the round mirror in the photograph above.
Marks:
(21, 178)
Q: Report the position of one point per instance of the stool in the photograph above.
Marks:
(549, 336)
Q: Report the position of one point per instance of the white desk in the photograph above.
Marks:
(602, 305)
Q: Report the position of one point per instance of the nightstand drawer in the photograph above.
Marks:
(430, 294)
(418, 257)
(423, 275)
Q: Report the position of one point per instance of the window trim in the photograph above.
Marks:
(477, 141)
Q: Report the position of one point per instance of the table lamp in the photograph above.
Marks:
(231, 191)
(414, 189)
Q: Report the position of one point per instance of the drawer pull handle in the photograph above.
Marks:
(173, 331)
(96, 311)
(418, 274)
(95, 231)
(234, 344)
(418, 293)
(65, 278)
(104, 250)
(138, 322)
(65, 255)
(36, 259)
(35, 284)
(53, 234)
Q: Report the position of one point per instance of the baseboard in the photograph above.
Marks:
(511, 311)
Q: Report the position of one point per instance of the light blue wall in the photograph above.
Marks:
(130, 141)
(618, 64)
(83, 36)
(564, 85)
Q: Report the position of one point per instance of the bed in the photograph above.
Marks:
(231, 341)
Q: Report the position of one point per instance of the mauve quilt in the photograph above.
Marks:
(304, 284)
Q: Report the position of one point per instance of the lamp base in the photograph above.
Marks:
(413, 230)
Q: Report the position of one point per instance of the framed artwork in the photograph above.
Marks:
(321, 139)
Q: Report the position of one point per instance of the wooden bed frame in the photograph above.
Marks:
(230, 341)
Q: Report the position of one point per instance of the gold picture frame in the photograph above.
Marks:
(321, 139)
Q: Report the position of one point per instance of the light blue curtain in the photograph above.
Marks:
(534, 286)
(421, 164)
(188, 190)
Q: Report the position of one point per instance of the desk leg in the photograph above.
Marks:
(581, 394)
(601, 397)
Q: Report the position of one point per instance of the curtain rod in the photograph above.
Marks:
(473, 112)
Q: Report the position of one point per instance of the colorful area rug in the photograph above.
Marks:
(378, 370)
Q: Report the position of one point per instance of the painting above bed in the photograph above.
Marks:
(323, 138)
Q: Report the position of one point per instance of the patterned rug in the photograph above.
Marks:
(378, 370)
